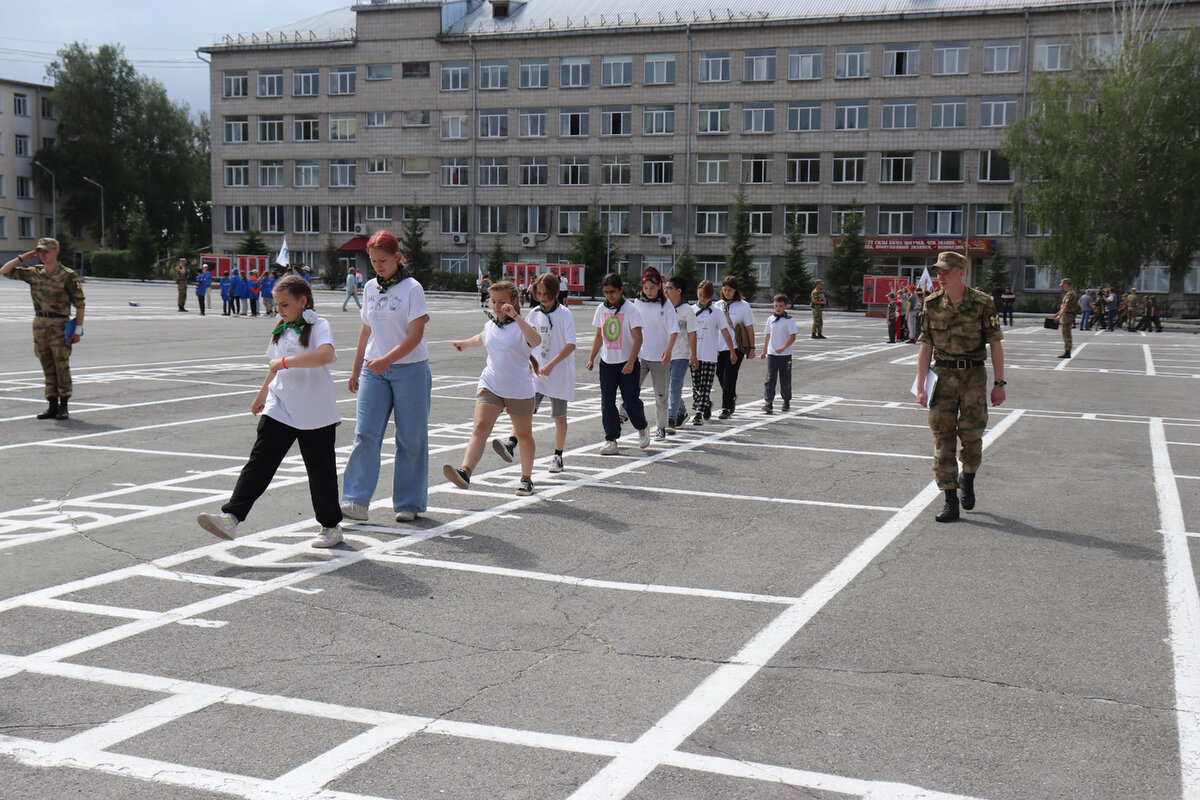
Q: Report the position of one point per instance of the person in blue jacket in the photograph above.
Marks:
(237, 290)
(202, 282)
(268, 285)
(226, 285)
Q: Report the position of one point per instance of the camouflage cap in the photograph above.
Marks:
(47, 244)
(1064, 281)
(950, 260)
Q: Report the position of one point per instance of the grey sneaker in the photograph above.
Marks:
(456, 476)
(223, 526)
(556, 464)
(505, 449)
(609, 449)
(525, 488)
(644, 438)
(330, 537)
(354, 511)
(405, 516)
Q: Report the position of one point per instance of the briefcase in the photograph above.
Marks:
(1051, 323)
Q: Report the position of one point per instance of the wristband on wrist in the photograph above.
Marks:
(283, 362)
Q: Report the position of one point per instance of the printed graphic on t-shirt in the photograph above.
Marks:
(613, 331)
(544, 330)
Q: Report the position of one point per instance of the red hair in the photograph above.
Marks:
(382, 240)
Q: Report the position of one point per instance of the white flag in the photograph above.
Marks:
(926, 280)
(479, 280)
(283, 259)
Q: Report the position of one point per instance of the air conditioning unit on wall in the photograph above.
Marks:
(459, 238)
(361, 230)
(528, 240)
(666, 240)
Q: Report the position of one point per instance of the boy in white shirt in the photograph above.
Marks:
(619, 330)
(777, 349)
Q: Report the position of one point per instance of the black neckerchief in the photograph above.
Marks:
(611, 307)
(387, 283)
(784, 315)
(701, 308)
(661, 299)
(297, 326)
(677, 305)
(546, 312)
(499, 322)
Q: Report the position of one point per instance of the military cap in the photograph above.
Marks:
(47, 244)
(950, 260)
(1064, 280)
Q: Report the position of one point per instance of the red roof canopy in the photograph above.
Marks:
(357, 244)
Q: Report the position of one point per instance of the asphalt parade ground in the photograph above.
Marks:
(758, 608)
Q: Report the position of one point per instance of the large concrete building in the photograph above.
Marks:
(28, 122)
(508, 118)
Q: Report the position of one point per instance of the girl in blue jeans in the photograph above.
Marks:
(396, 384)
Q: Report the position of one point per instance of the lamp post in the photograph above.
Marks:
(101, 188)
(53, 198)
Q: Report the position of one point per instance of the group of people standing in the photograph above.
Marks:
(1106, 310)
(905, 307)
(240, 294)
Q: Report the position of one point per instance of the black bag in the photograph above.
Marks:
(1051, 323)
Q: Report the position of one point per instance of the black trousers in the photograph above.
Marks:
(727, 374)
(273, 442)
(200, 301)
(778, 367)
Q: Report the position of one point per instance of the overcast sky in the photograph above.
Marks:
(160, 38)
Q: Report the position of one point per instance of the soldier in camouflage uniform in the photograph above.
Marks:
(54, 289)
(1133, 310)
(1066, 315)
(817, 301)
(181, 280)
(958, 325)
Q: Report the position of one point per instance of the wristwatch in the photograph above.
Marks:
(999, 383)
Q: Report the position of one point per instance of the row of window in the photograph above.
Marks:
(25, 227)
(944, 166)
(20, 106)
(24, 187)
(895, 114)
(23, 144)
(757, 66)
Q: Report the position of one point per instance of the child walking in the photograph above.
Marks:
(506, 383)
(619, 329)
(297, 403)
(777, 349)
(684, 353)
(555, 377)
(710, 327)
(660, 329)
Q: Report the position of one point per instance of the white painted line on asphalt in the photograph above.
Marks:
(141, 720)
(91, 608)
(1188, 477)
(1063, 363)
(623, 774)
(1183, 612)
(1149, 360)
(176, 454)
(871, 453)
(624, 487)
(311, 776)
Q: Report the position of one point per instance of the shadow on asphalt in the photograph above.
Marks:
(1010, 526)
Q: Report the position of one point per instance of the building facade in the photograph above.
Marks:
(511, 119)
(28, 122)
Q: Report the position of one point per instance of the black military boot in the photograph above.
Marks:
(966, 483)
(52, 411)
(1067, 354)
(949, 512)
(62, 409)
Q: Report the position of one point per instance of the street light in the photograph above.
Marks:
(101, 188)
(53, 198)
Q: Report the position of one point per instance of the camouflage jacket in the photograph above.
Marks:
(817, 298)
(961, 331)
(1070, 303)
(52, 292)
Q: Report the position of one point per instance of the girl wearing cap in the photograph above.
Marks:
(396, 384)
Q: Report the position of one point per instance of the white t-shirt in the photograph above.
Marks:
(739, 311)
(780, 329)
(558, 331)
(658, 323)
(616, 337)
(685, 315)
(302, 397)
(709, 325)
(508, 372)
(389, 314)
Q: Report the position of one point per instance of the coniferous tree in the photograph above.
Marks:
(794, 279)
(685, 270)
(740, 246)
(496, 257)
(143, 246)
(253, 245)
(997, 278)
(593, 248)
(850, 260)
(413, 245)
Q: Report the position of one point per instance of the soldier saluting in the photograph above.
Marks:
(958, 325)
(54, 289)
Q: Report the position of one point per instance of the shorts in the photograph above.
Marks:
(522, 407)
(558, 408)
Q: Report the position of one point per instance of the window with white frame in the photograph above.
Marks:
(416, 165)
(993, 220)
(1002, 56)
(852, 62)
(573, 171)
(806, 218)
(343, 128)
(21, 145)
(951, 58)
(803, 117)
(25, 185)
(1102, 49)
(997, 111)
(534, 171)
(658, 169)
(25, 227)
(757, 168)
(456, 219)
(1154, 278)
(306, 128)
(379, 72)
(760, 221)
(343, 80)
(616, 121)
(306, 82)
(493, 123)
(616, 71)
(614, 170)
(850, 115)
(306, 174)
(574, 121)
(49, 110)
(422, 213)
(533, 219)
(493, 75)
(804, 168)
(531, 122)
(270, 83)
(659, 69)
(715, 67)
(1191, 281)
(994, 167)
(342, 174)
(901, 60)
(378, 213)
(270, 129)
(712, 168)
(379, 119)
(713, 118)
(307, 219)
(615, 220)
(456, 76)
(455, 263)
(656, 220)
(804, 64)
(945, 166)
(570, 218)
(849, 168)
(896, 168)
(710, 269)
(270, 219)
(948, 112)
(758, 118)
(758, 65)
(1040, 278)
(1051, 54)
(270, 174)
(493, 219)
(237, 219)
(455, 172)
(658, 120)
(944, 220)
(234, 83)
(534, 73)
(762, 270)
(493, 171)
(895, 221)
(379, 165)
(712, 221)
(1033, 227)
(899, 114)
(454, 125)
(414, 119)
(237, 130)
(839, 217)
(575, 72)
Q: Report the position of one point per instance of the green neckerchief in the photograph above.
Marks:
(661, 299)
(701, 307)
(784, 315)
(387, 283)
(611, 307)
(499, 322)
(297, 326)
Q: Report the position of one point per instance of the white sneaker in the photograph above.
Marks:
(644, 438)
(556, 464)
(609, 449)
(354, 511)
(330, 537)
(405, 516)
(223, 526)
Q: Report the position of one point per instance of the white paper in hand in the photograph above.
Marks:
(930, 382)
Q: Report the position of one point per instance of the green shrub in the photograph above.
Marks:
(1039, 303)
(108, 264)
(451, 282)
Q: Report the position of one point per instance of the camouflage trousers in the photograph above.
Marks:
(51, 348)
(182, 292)
(1067, 324)
(818, 322)
(958, 411)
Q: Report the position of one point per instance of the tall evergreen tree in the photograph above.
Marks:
(413, 245)
(794, 279)
(143, 246)
(335, 270)
(997, 278)
(850, 260)
(253, 245)
(685, 269)
(593, 248)
(740, 246)
(495, 260)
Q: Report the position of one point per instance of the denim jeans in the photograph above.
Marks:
(1085, 321)
(401, 392)
(679, 371)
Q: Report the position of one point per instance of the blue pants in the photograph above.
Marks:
(679, 371)
(612, 380)
(1085, 321)
(1112, 318)
(401, 392)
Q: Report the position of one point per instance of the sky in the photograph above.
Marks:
(160, 39)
